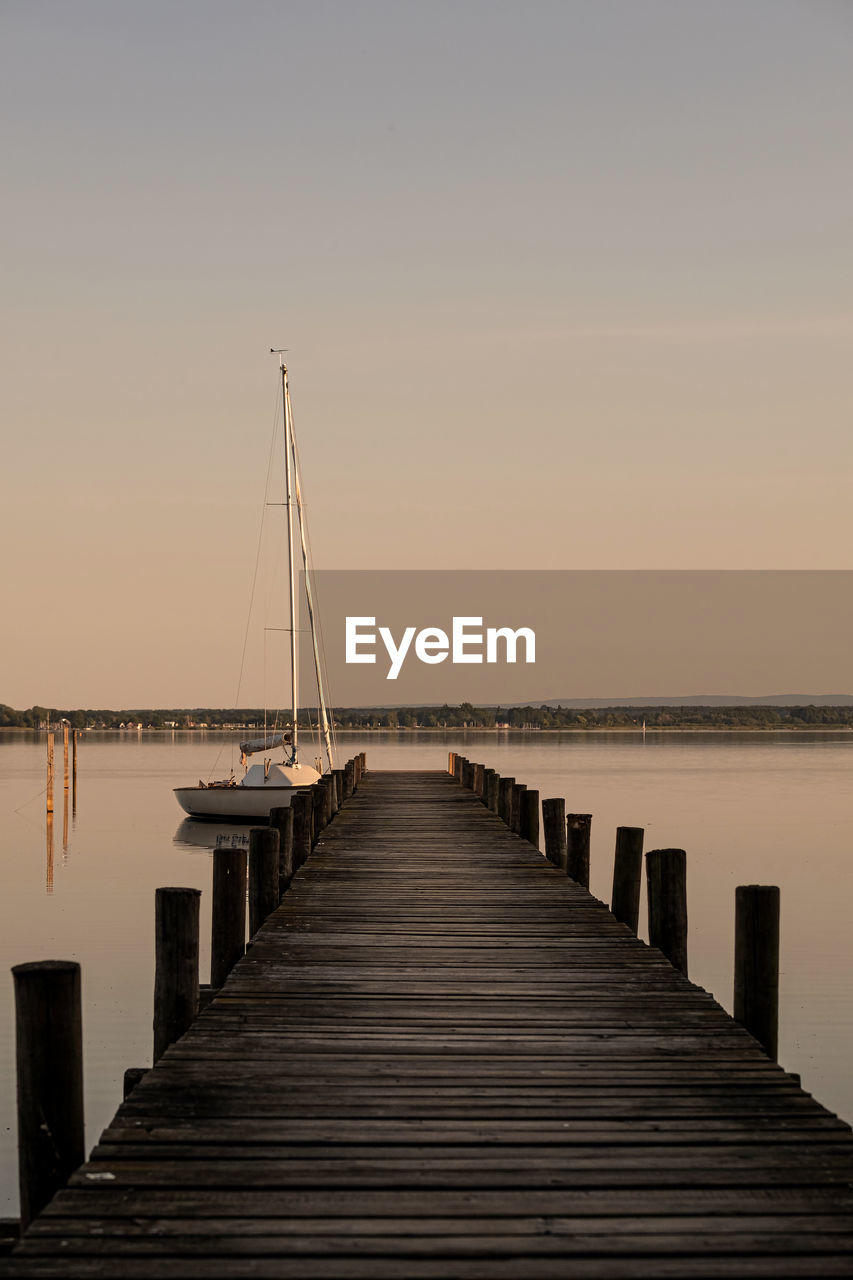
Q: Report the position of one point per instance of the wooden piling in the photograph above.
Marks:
(318, 803)
(302, 805)
(494, 786)
(131, 1079)
(756, 990)
(65, 756)
(50, 773)
(282, 820)
(263, 875)
(349, 779)
(451, 761)
(518, 790)
(339, 786)
(489, 796)
(49, 1054)
(176, 916)
(505, 799)
(477, 780)
(554, 824)
(332, 784)
(627, 876)
(578, 827)
(666, 888)
(530, 817)
(228, 938)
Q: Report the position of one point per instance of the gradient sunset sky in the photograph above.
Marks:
(565, 285)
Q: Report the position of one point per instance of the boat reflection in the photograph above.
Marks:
(193, 834)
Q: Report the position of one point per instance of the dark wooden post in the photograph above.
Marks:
(175, 964)
(49, 1052)
(530, 817)
(505, 799)
(627, 876)
(577, 847)
(318, 801)
(302, 805)
(518, 790)
(263, 876)
(756, 1004)
(339, 786)
(666, 886)
(131, 1079)
(477, 785)
(332, 784)
(458, 766)
(282, 820)
(554, 822)
(493, 783)
(228, 941)
(349, 779)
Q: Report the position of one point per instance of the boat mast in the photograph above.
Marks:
(321, 697)
(289, 458)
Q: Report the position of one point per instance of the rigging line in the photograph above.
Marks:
(319, 624)
(322, 712)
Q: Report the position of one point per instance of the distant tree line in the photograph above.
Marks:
(446, 717)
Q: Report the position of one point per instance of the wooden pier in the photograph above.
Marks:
(442, 1058)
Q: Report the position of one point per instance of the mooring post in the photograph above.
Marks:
(488, 782)
(451, 758)
(50, 773)
(282, 820)
(263, 875)
(228, 933)
(554, 824)
(130, 1080)
(477, 786)
(176, 913)
(332, 787)
(577, 847)
(303, 806)
(493, 784)
(518, 790)
(318, 800)
(530, 817)
(349, 779)
(505, 799)
(49, 1054)
(756, 1003)
(627, 876)
(339, 786)
(356, 782)
(458, 763)
(666, 888)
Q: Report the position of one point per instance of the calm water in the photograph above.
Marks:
(773, 809)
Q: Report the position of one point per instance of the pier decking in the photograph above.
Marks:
(441, 1058)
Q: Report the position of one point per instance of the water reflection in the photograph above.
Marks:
(193, 834)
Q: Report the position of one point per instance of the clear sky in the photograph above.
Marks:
(566, 285)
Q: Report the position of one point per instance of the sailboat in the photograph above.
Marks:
(267, 784)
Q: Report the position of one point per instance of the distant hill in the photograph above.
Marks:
(707, 700)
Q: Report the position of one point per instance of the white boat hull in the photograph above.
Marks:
(243, 804)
